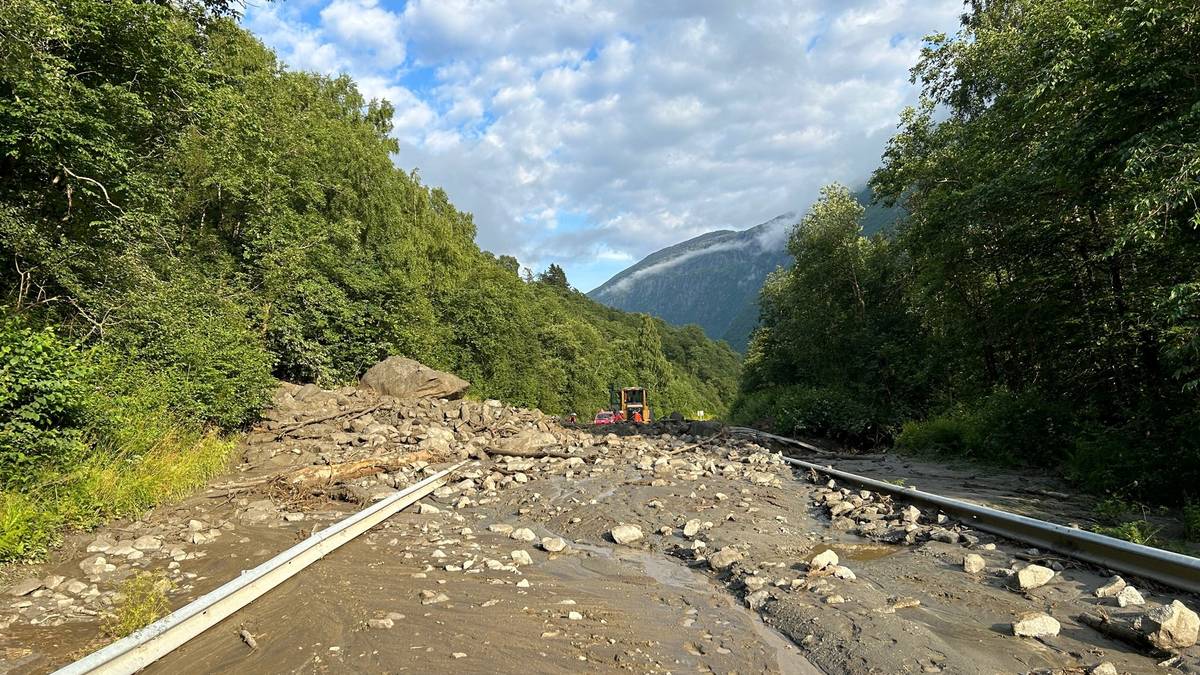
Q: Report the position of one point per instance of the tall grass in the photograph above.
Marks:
(158, 463)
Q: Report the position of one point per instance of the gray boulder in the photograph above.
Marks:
(405, 378)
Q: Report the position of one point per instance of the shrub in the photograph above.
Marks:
(42, 397)
(810, 411)
(1135, 531)
(143, 600)
(1191, 522)
(1002, 428)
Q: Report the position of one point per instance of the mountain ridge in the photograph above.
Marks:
(717, 289)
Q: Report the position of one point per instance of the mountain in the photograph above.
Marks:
(713, 280)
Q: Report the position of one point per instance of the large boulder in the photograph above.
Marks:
(1171, 627)
(527, 441)
(405, 378)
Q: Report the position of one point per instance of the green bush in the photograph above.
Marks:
(1191, 521)
(1003, 428)
(42, 402)
(810, 411)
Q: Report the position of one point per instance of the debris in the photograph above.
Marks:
(248, 638)
(626, 534)
(724, 558)
(524, 534)
(826, 558)
(553, 544)
(1034, 576)
(1035, 624)
(1111, 588)
(1130, 596)
(758, 599)
(1171, 627)
(23, 588)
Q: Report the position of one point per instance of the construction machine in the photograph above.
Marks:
(627, 401)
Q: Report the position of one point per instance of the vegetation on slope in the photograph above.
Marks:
(183, 219)
(1040, 305)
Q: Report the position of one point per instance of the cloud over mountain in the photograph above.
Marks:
(591, 133)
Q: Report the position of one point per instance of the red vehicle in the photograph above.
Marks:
(604, 417)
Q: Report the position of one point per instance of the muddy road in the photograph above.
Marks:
(680, 551)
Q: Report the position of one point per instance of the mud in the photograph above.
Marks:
(654, 606)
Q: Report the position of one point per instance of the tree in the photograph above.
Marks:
(554, 276)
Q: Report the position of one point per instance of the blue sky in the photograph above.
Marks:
(593, 133)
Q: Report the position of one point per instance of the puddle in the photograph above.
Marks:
(859, 552)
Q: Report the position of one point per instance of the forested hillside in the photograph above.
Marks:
(182, 220)
(1041, 303)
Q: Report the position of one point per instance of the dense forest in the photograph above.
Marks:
(1040, 304)
(183, 220)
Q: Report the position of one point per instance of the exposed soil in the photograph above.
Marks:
(663, 603)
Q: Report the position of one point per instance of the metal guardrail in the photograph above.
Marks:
(1166, 567)
(147, 645)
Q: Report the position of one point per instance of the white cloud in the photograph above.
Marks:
(657, 121)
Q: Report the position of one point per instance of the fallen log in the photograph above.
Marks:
(1118, 631)
(558, 454)
(331, 473)
(348, 414)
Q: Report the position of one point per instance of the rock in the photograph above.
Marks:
(842, 572)
(973, 563)
(23, 588)
(692, 527)
(147, 543)
(380, 623)
(500, 528)
(427, 509)
(834, 600)
(1035, 624)
(1130, 596)
(820, 561)
(527, 441)
(1034, 576)
(626, 534)
(53, 581)
(100, 545)
(521, 557)
(96, 565)
(407, 379)
(524, 534)
(1111, 588)
(574, 616)
(433, 597)
(553, 544)
(910, 514)
(757, 599)
(1171, 627)
(1103, 668)
(724, 558)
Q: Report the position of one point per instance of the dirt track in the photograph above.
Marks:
(655, 605)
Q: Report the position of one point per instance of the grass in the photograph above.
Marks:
(152, 462)
(1191, 521)
(142, 599)
(1135, 531)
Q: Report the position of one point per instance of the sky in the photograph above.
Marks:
(593, 133)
